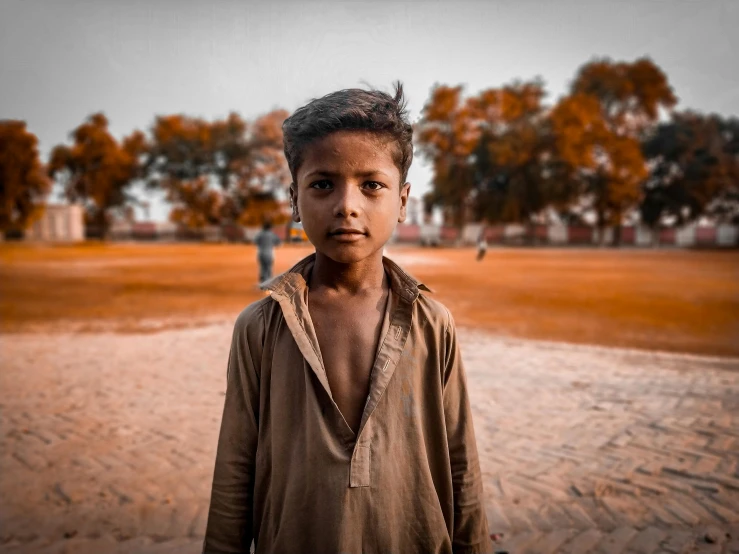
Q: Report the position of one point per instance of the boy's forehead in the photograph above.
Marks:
(360, 150)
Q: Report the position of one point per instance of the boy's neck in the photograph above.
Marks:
(353, 278)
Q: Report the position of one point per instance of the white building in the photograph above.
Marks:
(58, 223)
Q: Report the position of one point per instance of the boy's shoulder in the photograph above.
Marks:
(434, 312)
(427, 310)
(252, 317)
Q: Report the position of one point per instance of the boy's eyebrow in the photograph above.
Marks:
(334, 174)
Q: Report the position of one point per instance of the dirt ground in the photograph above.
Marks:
(682, 301)
(108, 444)
(113, 373)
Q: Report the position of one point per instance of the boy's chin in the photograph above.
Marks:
(344, 255)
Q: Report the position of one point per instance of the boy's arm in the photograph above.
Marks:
(229, 527)
(470, 533)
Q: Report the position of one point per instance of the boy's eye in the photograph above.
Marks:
(321, 185)
(373, 185)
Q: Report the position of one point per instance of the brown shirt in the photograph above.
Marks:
(293, 476)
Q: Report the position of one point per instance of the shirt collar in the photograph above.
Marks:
(295, 279)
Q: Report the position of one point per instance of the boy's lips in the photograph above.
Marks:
(346, 234)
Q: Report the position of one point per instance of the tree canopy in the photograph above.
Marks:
(23, 181)
(222, 171)
(503, 155)
(98, 171)
(695, 169)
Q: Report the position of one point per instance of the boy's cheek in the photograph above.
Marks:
(314, 234)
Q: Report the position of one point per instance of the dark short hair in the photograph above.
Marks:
(351, 110)
(267, 225)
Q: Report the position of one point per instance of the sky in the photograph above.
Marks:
(62, 60)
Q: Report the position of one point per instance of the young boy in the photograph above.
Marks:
(266, 240)
(347, 425)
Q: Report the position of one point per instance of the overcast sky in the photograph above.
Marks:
(61, 60)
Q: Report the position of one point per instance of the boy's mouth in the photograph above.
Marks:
(346, 234)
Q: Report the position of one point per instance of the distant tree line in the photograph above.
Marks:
(612, 148)
(223, 171)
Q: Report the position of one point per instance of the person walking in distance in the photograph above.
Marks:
(266, 240)
(482, 245)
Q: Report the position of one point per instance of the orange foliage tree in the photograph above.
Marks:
(598, 129)
(97, 170)
(516, 176)
(490, 153)
(23, 181)
(503, 156)
(220, 172)
(446, 135)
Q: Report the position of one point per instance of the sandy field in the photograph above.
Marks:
(108, 443)
(113, 376)
(678, 301)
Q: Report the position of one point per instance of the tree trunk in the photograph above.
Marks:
(617, 229)
(601, 191)
(100, 219)
(459, 216)
(601, 226)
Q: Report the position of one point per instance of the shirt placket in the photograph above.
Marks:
(296, 321)
(385, 364)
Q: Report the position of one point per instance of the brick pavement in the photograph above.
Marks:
(107, 444)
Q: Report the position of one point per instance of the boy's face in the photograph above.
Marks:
(348, 194)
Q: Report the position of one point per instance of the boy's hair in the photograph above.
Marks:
(267, 225)
(350, 110)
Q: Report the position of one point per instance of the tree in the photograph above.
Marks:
(198, 205)
(630, 94)
(218, 172)
(694, 162)
(97, 170)
(515, 174)
(608, 167)
(447, 136)
(492, 153)
(598, 128)
(260, 174)
(180, 162)
(23, 181)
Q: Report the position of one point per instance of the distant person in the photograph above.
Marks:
(266, 241)
(347, 424)
(482, 245)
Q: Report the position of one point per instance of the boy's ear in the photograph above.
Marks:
(405, 190)
(294, 203)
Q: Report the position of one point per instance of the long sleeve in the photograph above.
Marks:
(470, 534)
(229, 528)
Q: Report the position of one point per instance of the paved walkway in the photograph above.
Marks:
(107, 444)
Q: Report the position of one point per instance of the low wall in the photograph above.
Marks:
(690, 236)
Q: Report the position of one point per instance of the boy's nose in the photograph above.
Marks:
(347, 201)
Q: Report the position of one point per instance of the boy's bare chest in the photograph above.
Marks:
(348, 335)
